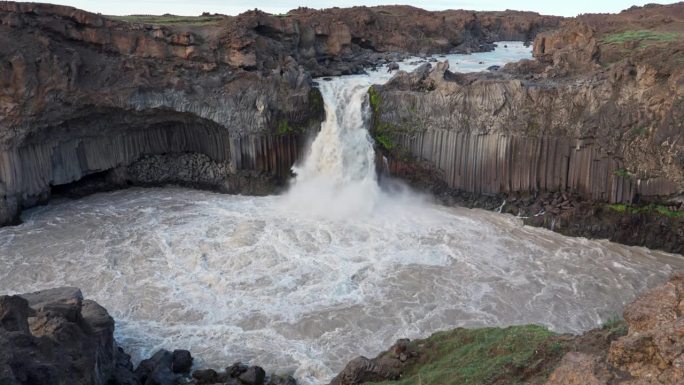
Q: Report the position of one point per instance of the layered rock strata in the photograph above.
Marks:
(84, 94)
(57, 337)
(81, 94)
(578, 119)
(586, 139)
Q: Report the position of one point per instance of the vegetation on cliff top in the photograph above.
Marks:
(170, 19)
(640, 35)
(512, 355)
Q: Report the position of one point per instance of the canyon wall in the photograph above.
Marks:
(81, 94)
(587, 117)
(220, 102)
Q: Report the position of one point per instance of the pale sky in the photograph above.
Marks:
(234, 7)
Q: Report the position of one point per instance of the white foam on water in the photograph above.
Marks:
(335, 268)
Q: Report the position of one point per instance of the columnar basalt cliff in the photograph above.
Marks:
(578, 119)
(83, 94)
(597, 116)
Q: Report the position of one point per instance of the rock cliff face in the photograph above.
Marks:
(342, 40)
(57, 337)
(83, 94)
(586, 139)
(650, 353)
(587, 117)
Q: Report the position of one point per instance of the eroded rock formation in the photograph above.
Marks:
(57, 337)
(578, 119)
(651, 352)
(83, 94)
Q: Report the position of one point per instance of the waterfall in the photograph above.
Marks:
(337, 178)
(343, 150)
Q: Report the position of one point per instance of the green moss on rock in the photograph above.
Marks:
(651, 208)
(511, 355)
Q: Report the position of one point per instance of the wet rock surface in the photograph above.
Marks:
(56, 337)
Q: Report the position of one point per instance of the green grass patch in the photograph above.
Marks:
(647, 209)
(615, 325)
(621, 172)
(385, 141)
(284, 128)
(375, 100)
(482, 356)
(619, 207)
(169, 19)
(640, 35)
(640, 131)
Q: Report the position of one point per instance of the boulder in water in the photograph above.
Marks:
(254, 375)
(182, 361)
(206, 376)
(236, 369)
(56, 337)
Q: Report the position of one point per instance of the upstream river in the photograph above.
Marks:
(334, 268)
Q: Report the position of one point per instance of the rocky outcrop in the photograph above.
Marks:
(81, 94)
(646, 348)
(611, 135)
(597, 117)
(651, 352)
(385, 367)
(564, 123)
(56, 337)
(342, 40)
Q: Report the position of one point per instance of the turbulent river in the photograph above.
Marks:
(332, 269)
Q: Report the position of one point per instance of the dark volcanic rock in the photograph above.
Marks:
(205, 376)
(586, 119)
(157, 370)
(56, 337)
(236, 369)
(81, 94)
(254, 375)
(362, 369)
(182, 361)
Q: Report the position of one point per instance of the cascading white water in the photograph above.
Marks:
(304, 282)
(342, 151)
(337, 179)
